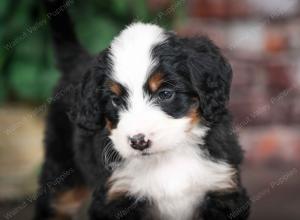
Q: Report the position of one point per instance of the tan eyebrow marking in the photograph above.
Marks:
(155, 81)
(115, 88)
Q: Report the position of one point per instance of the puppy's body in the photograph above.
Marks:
(171, 94)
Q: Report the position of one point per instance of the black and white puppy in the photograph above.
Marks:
(153, 105)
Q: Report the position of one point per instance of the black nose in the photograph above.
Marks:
(138, 142)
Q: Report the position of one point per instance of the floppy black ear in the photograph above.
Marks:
(87, 111)
(211, 75)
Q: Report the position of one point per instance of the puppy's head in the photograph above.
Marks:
(156, 92)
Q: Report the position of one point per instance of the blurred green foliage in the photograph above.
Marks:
(27, 69)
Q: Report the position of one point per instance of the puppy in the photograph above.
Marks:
(144, 128)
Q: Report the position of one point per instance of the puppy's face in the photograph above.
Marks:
(153, 114)
(161, 92)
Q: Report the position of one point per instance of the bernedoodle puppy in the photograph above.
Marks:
(144, 128)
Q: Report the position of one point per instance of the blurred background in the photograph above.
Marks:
(261, 38)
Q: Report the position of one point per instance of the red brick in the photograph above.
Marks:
(218, 8)
(278, 76)
(276, 41)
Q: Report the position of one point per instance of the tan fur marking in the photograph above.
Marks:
(115, 88)
(60, 216)
(67, 203)
(109, 125)
(114, 192)
(194, 116)
(155, 81)
(114, 195)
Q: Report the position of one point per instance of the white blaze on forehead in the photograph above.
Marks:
(131, 54)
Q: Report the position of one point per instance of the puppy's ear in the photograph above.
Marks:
(87, 111)
(210, 75)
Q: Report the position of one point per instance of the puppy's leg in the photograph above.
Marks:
(226, 206)
(62, 186)
(60, 197)
(62, 192)
(119, 207)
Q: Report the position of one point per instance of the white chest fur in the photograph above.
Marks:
(174, 181)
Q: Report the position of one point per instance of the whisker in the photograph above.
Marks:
(110, 157)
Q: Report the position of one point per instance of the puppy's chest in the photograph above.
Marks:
(175, 185)
(172, 189)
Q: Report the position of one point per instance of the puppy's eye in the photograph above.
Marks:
(116, 101)
(166, 95)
